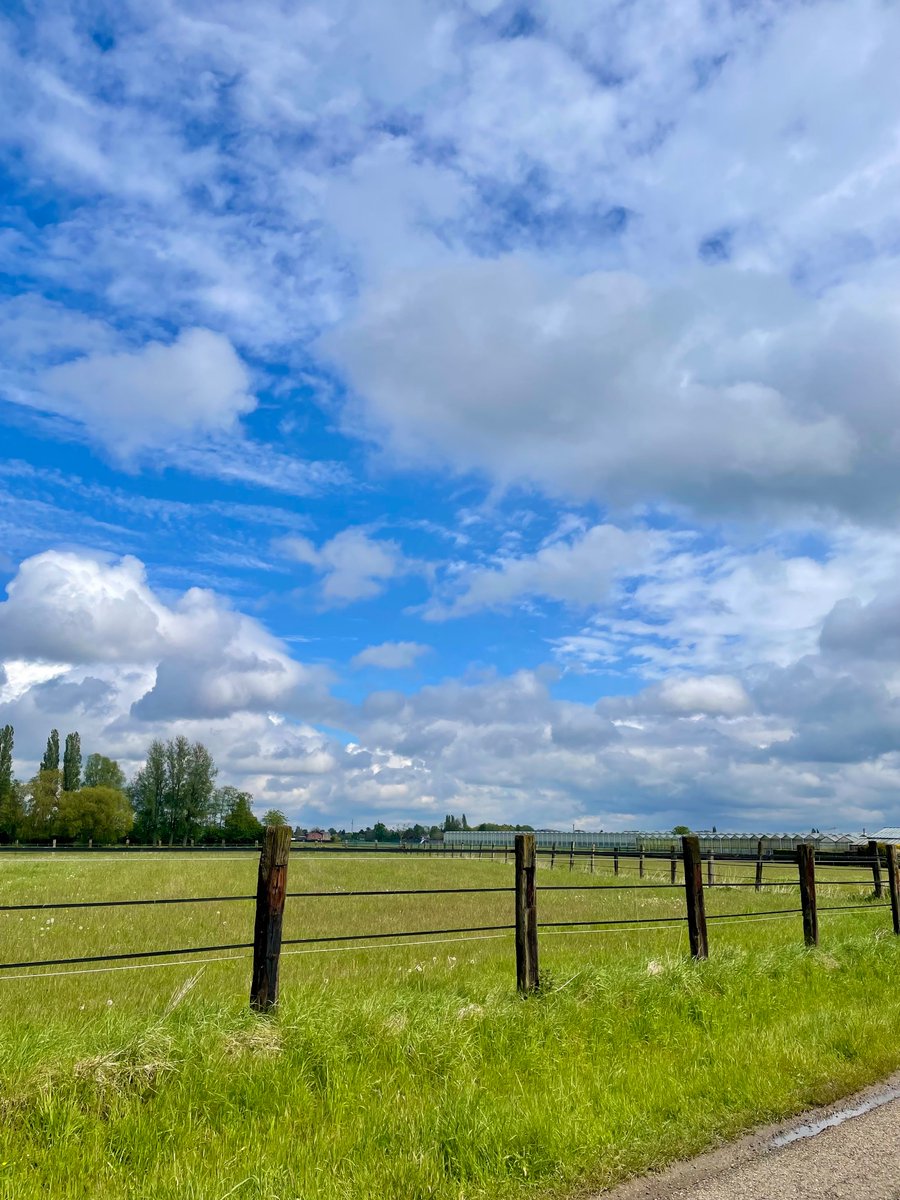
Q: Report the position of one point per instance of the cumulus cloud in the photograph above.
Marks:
(161, 392)
(197, 657)
(390, 656)
(704, 695)
(727, 391)
(351, 565)
(766, 749)
(71, 608)
(862, 630)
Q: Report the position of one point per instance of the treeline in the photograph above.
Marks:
(379, 832)
(172, 799)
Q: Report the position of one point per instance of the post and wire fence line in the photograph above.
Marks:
(272, 894)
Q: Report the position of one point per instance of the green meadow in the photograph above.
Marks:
(412, 1071)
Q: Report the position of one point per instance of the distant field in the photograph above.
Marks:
(413, 1071)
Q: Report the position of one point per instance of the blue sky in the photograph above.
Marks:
(458, 405)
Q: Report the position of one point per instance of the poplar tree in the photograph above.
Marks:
(72, 763)
(50, 761)
(6, 757)
(12, 810)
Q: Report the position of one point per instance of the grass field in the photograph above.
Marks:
(414, 1071)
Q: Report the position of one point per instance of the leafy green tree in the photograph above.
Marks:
(10, 818)
(275, 817)
(241, 825)
(148, 791)
(198, 791)
(50, 761)
(41, 802)
(72, 763)
(100, 771)
(681, 829)
(102, 813)
(12, 813)
(173, 792)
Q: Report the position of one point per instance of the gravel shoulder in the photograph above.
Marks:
(832, 1153)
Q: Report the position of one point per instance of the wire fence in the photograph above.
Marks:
(270, 898)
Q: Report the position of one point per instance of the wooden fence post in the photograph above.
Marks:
(894, 884)
(693, 887)
(710, 869)
(759, 865)
(270, 889)
(806, 861)
(553, 856)
(527, 977)
(876, 869)
(672, 864)
(615, 860)
(641, 862)
(571, 856)
(593, 848)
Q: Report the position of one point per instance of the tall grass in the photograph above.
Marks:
(413, 1071)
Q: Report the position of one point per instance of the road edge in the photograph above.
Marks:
(757, 1144)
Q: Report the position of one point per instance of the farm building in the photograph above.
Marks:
(719, 843)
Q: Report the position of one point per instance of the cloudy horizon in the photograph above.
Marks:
(459, 405)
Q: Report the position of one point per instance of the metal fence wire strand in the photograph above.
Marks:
(225, 899)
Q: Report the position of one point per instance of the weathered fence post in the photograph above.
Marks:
(571, 856)
(505, 853)
(615, 860)
(710, 869)
(806, 861)
(893, 884)
(527, 977)
(672, 864)
(693, 887)
(876, 869)
(593, 848)
(759, 865)
(641, 862)
(553, 856)
(270, 890)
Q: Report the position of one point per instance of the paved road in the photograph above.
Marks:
(857, 1158)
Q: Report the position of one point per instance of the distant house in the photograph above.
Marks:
(317, 835)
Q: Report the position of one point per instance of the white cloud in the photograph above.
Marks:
(71, 608)
(352, 565)
(707, 695)
(722, 607)
(729, 390)
(155, 395)
(581, 569)
(195, 658)
(765, 748)
(391, 656)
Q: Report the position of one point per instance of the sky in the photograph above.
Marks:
(459, 405)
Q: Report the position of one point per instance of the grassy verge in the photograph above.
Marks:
(416, 1072)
